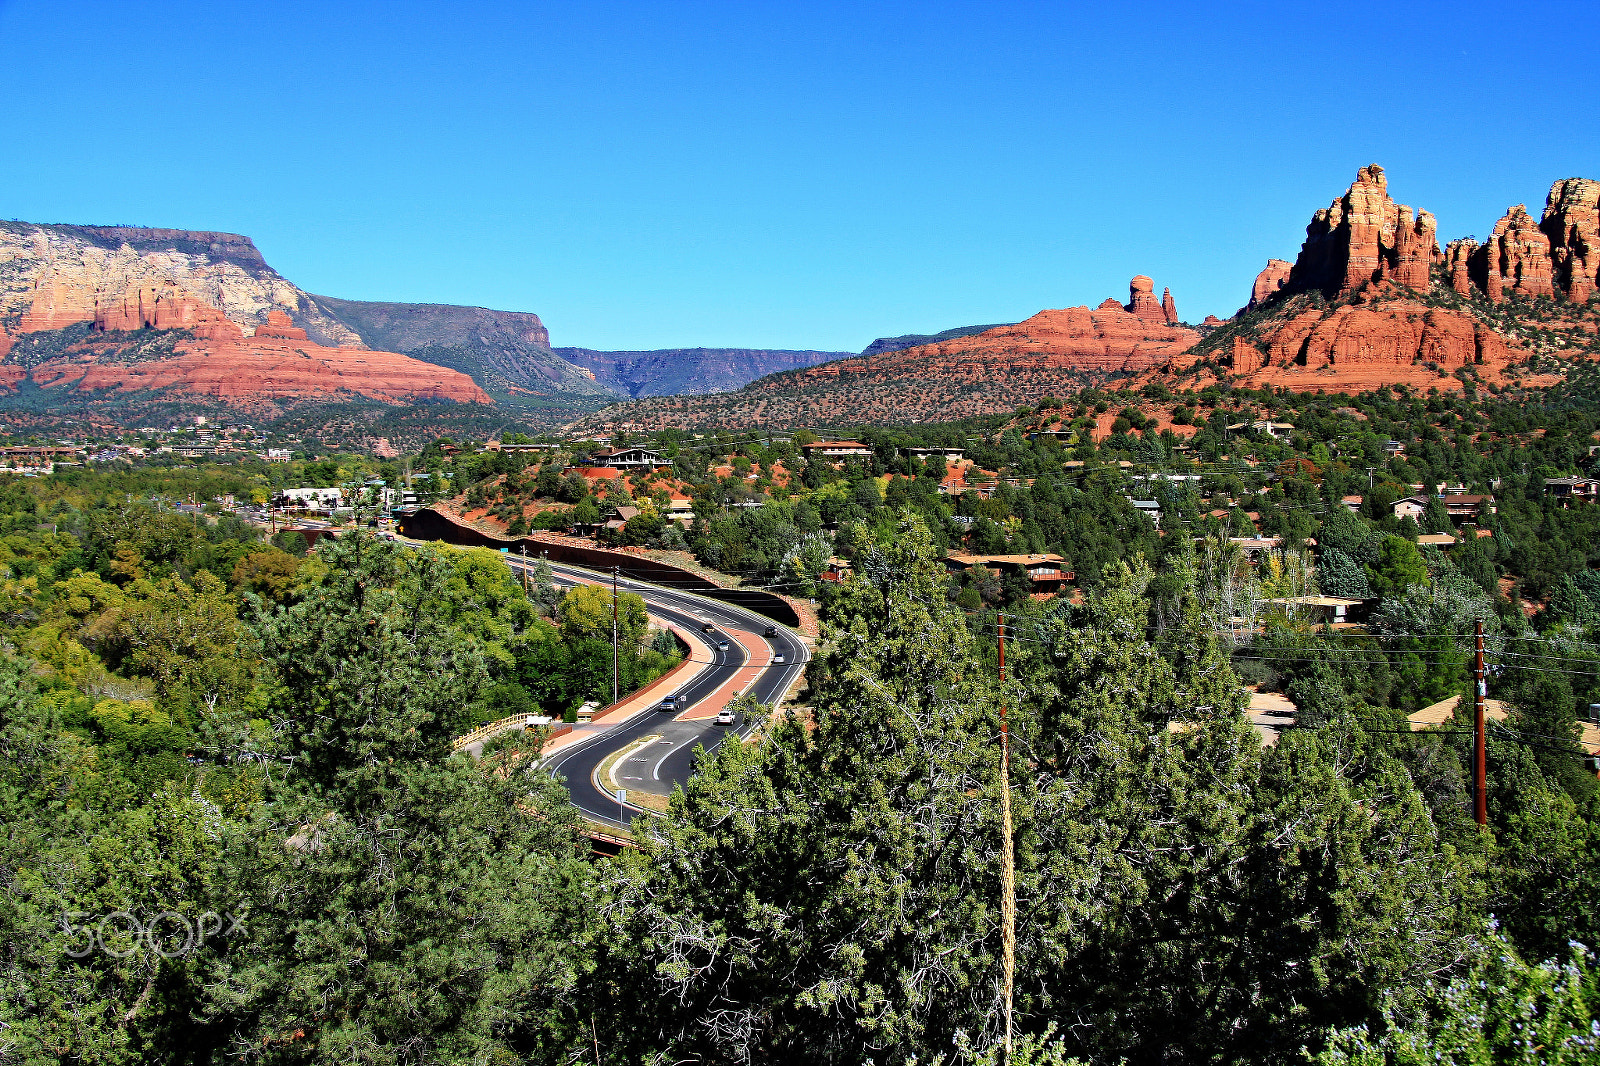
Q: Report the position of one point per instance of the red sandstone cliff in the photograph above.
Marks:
(1359, 308)
(1362, 237)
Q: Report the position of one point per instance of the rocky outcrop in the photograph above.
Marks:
(1168, 307)
(1051, 354)
(1557, 256)
(279, 327)
(57, 275)
(1518, 253)
(1272, 278)
(1363, 237)
(1458, 257)
(164, 306)
(1416, 246)
(1572, 224)
(1142, 302)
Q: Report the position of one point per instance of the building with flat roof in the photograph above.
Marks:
(837, 449)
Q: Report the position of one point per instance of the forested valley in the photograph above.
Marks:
(235, 827)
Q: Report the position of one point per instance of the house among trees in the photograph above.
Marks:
(837, 449)
(1263, 427)
(1321, 610)
(948, 454)
(1570, 489)
(1410, 507)
(629, 458)
(1044, 572)
(1464, 507)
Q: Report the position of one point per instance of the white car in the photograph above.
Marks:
(726, 716)
(778, 660)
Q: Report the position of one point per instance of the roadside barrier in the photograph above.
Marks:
(429, 524)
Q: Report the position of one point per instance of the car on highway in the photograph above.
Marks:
(771, 631)
(722, 645)
(669, 702)
(726, 716)
(708, 628)
(778, 660)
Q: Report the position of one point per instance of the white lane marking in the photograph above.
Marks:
(656, 773)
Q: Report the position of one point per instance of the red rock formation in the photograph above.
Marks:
(1363, 236)
(1367, 343)
(164, 306)
(55, 304)
(1212, 320)
(279, 326)
(1415, 245)
(1458, 257)
(1107, 339)
(1142, 302)
(1245, 357)
(1272, 278)
(1572, 224)
(1168, 307)
(253, 372)
(1519, 254)
(1109, 304)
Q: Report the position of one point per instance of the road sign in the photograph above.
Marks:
(622, 795)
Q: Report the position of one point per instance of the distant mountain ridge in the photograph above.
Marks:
(53, 277)
(506, 352)
(689, 371)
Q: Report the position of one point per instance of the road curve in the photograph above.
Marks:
(657, 767)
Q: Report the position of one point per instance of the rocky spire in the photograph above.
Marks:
(1363, 236)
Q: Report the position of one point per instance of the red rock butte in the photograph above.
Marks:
(275, 365)
(1112, 338)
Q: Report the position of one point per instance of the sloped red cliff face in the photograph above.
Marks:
(275, 369)
(1109, 339)
(1054, 353)
(256, 374)
(1274, 276)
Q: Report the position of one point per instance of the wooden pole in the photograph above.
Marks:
(1480, 760)
(1008, 873)
(614, 571)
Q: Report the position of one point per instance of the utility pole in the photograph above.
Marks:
(524, 568)
(1008, 873)
(614, 571)
(1479, 754)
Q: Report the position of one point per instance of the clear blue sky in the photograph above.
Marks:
(801, 176)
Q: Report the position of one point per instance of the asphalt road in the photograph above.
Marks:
(659, 766)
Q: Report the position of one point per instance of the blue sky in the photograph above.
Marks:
(797, 176)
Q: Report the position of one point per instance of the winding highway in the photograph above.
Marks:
(655, 767)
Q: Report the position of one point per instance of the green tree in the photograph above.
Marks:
(405, 906)
(875, 834)
(1399, 566)
(1504, 1012)
(585, 612)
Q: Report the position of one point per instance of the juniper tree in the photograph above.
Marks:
(832, 895)
(404, 905)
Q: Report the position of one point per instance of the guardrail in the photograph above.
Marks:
(516, 721)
